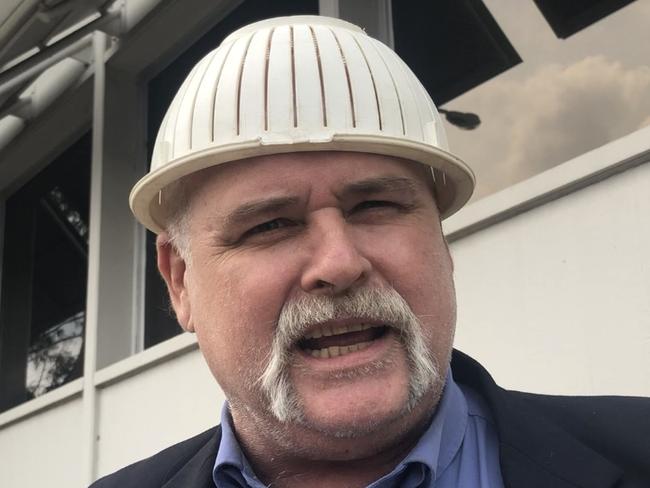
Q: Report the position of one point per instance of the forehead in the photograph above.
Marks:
(327, 171)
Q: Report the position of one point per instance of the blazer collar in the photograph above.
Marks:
(534, 452)
(197, 472)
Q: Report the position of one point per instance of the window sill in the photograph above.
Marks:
(146, 359)
(589, 168)
(48, 400)
(114, 373)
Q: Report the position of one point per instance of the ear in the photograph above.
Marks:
(173, 269)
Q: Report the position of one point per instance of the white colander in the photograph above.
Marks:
(302, 83)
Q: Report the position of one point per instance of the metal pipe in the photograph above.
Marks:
(16, 24)
(32, 66)
(10, 127)
(37, 97)
(49, 13)
(47, 87)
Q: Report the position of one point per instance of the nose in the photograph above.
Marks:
(335, 263)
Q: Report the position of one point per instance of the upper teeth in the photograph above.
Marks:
(327, 330)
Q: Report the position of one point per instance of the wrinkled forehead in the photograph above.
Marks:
(327, 171)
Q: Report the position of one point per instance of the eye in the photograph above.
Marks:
(269, 226)
(371, 204)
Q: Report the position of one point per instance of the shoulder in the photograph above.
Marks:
(576, 412)
(591, 409)
(553, 429)
(156, 470)
(610, 424)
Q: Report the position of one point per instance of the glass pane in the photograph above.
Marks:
(54, 354)
(452, 46)
(567, 18)
(44, 279)
(567, 96)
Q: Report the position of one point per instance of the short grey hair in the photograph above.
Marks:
(176, 195)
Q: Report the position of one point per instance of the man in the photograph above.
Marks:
(297, 186)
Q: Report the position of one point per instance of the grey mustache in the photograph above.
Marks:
(382, 305)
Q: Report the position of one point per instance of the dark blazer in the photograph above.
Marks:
(544, 441)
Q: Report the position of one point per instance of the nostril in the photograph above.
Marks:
(323, 284)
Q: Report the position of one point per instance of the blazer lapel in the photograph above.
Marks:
(534, 452)
(197, 472)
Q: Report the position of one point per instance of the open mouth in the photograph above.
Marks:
(328, 341)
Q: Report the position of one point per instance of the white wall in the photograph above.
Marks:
(154, 409)
(557, 299)
(44, 449)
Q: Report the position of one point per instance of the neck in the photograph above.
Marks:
(296, 456)
(288, 473)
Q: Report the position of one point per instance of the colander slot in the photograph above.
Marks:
(241, 72)
(214, 92)
(372, 78)
(266, 80)
(196, 92)
(392, 78)
(320, 75)
(347, 76)
(178, 102)
(293, 78)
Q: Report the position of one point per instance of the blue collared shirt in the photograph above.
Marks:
(459, 448)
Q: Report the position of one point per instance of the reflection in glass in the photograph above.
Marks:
(567, 97)
(44, 272)
(53, 355)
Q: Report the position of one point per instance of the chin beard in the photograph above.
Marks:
(383, 305)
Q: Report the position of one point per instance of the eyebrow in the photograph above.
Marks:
(254, 208)
(379, 185)
(371, 186)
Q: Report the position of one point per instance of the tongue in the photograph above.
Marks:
(342, 339)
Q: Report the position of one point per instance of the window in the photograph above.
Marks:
(160, 323)
(463, 46)
(567, 18)
(550, 80)
(42, 308)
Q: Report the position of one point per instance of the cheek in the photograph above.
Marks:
(235, 305)
(229, 336)
(413, 260)
(418, 266)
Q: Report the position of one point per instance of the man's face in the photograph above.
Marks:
(274, 237)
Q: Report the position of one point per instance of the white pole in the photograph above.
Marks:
(329, 8)
(386, 23)
(94, 250)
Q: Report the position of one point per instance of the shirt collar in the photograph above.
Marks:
(231, 461)
(431, 455)
(439, 443)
